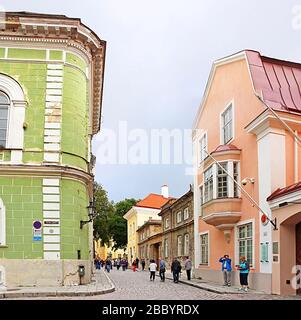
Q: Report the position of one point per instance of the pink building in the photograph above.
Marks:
(259, 150)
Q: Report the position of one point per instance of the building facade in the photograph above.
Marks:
(146, 209)
(51, 80)
(244, 151)
(105, 251)
(178, 229)
(150, 241)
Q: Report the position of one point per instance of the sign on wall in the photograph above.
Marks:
(37, 231)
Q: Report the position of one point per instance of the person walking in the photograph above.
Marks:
(123, 264)
(137, 262)
(162, 269)
(244, 269)
(152, 269)
(188, 267)
(108, 265)
(118, 263)
(226, 269)
(143, 264)
(176, 269)
(134, 265)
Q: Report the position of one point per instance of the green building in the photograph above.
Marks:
(51, 81)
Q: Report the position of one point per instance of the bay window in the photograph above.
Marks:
(208, 185)
(222, 180)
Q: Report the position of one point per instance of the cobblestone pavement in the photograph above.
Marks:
(136, 286)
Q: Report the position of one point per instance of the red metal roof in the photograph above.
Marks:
(154, 201)
(226, 147)
(277, 81)
(284, 191)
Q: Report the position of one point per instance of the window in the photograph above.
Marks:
(208, 185)
(165, 248)
(245, 242)
(222, 181)
(166, 223)
(227, 123)
(204, 249)
(186, 213)
(235, 177)
(4, 105)
(179, 216)
(179, 242)
(2, 224)
(203, 147)
(186, 244)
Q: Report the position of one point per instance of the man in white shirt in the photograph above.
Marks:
(152, 269)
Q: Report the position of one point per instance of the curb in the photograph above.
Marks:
(199, 286)
(60, 293)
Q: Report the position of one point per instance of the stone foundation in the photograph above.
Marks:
(257, 281)
(43, 273)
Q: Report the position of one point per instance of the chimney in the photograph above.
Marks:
(164, 191)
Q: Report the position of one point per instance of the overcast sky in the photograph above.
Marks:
(159, 55)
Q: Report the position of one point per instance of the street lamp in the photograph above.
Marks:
(91, 213)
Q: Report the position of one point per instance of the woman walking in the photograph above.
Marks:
(152, 269)
(244, 269)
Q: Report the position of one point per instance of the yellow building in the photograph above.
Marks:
(146, 209)
(104, 251)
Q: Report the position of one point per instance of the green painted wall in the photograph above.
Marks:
(74, 208)
(22, 198)
(75, 113)
(32, 77)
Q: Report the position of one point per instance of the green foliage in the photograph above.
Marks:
(109, 223)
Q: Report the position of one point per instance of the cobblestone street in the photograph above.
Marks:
(131, 285)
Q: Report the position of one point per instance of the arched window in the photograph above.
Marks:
(4, 106)
(2, 224)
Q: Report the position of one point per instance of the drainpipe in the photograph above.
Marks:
(296, 160)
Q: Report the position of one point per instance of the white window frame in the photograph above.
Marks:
(213, 183)
(201, 199)
(186, 244)
(167, 225)
(16, 112)
(203, 145)
(239, 224)
(186, 213)
(2, 224)
(179, 216)
(180, 246)
(222, 142)
(223, 174)
(208, 237)
(166, 248)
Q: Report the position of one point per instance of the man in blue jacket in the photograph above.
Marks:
(226, 269)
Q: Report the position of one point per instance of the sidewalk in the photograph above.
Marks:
(209, 286)
(100, 284)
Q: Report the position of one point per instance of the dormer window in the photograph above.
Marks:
(4, 107)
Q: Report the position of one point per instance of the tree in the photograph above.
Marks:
(109, 223)
(118, 225)
(105, 210)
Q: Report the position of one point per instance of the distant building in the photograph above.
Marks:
(235, 131)
(150, 241)
(51, 82)
(105, 251)
(146, 209)
(178, 229)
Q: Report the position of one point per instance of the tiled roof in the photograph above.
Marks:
(154, 201)
(284, 191)
(277, 81)
(226, 147)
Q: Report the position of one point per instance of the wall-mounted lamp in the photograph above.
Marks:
(91, 213)
(245, 181)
